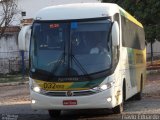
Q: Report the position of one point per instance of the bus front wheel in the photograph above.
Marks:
(119, 109)
(54, 113)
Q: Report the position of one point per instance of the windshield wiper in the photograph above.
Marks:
(80, 66)
(61, 60)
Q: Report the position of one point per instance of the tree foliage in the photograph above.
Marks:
(8, 9)
(147, 12)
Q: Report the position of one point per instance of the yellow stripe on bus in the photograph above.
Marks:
(130, 17)
(57, 86)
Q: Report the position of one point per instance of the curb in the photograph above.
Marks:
(14, 83)
(152, 71)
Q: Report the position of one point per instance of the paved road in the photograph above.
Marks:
(24, 111)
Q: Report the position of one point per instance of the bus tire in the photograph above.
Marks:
(119, 109)
(54, 113)
(138, 96)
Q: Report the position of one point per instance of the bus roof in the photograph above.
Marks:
(82, 11)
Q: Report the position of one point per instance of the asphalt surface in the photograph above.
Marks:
(24, 111)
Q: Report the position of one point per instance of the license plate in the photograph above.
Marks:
(69, 102)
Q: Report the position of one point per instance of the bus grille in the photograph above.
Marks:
(55, 93)
(83, 93)
(74, 93)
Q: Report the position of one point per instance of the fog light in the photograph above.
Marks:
(109, 99)
(33, 101)
(36, 89)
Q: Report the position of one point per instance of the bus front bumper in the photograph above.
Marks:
(104, 99)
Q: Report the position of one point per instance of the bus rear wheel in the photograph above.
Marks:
(54, 113)
(138, 96)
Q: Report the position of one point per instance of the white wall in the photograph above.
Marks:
(8, 44)
(156, 49)
(32, 6)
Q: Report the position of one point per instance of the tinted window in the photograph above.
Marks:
(132, 35)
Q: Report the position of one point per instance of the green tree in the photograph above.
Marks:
(147, 12)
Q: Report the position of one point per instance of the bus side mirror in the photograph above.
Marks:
(115, 34)
(22, 38)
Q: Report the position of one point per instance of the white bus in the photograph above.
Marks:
(85, 56)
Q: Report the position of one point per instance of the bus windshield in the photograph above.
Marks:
(71, 48)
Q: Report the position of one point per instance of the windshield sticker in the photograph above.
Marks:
(74, 25)
(54, 26)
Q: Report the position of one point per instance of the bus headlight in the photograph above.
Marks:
(36, 89)
(106, 86)
(103, 87)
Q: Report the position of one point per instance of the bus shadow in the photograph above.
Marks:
(86, 114)
(24, 112)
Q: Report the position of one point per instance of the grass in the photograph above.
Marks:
(12, 78)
